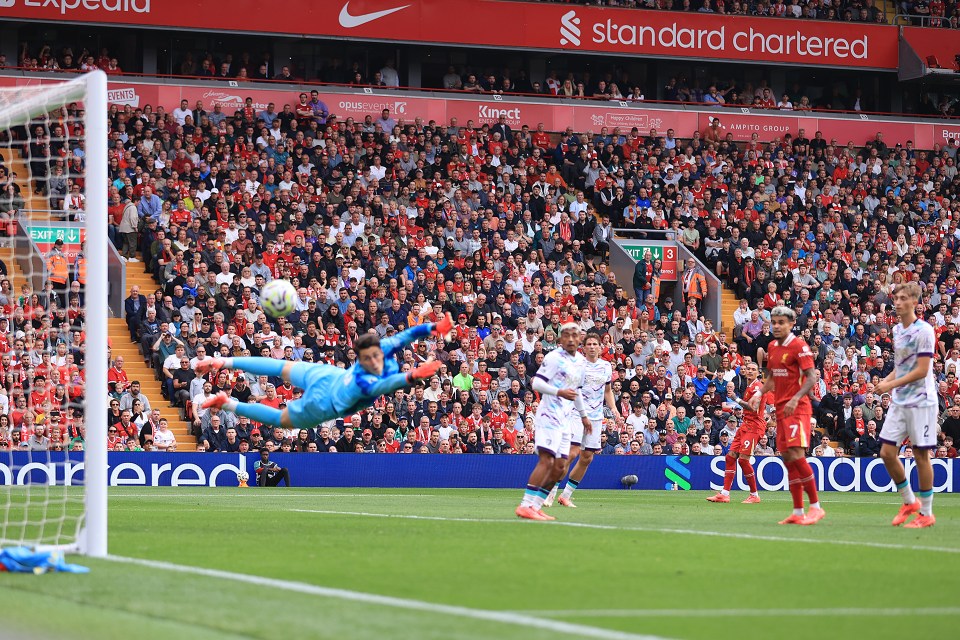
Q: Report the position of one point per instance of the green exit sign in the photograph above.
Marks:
(69, 235)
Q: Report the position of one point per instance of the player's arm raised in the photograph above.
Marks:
(754, 403)
(919, 371)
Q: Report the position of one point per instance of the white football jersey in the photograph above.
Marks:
(596, 376)
(563, 371)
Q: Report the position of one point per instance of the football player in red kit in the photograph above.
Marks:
(754, 425)
(790, 364)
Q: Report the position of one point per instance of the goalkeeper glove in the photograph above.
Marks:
(443, 327)
(424, 371)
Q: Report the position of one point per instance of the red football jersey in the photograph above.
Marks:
(786, 363)
(751, 419)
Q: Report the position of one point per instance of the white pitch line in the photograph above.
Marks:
(502, 617)
(231, 496)
(609, 527)
(748, 613)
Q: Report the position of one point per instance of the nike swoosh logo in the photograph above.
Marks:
(348, 21)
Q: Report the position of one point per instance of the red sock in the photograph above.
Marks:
(807, 480)
(729, 472)
(796, 489)
(748, 474)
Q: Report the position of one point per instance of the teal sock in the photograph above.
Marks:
(259, 413)
(259, 366)
(926, 502)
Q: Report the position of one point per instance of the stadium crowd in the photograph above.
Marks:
(571, 82)
(852, 11)
(383, 224)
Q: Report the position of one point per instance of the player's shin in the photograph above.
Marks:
(748, 475)
(529, 495)
(729, 472)
(796, 487)
(808, 481)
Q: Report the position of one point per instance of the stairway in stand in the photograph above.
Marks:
(728, 305)
(137, 369)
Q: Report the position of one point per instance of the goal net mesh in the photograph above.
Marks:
(43, 319)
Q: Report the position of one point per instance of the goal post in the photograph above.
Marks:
(55, 184)
(93, 537)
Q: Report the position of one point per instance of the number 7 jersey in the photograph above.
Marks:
(786, 362)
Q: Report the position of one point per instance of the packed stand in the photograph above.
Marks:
(382, 225)
(42, 340)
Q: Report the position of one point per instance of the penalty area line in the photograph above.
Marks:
(610, 527)
(503, 617)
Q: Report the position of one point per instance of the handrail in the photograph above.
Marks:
(928, 21)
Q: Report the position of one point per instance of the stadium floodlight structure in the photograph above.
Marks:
(53, 136)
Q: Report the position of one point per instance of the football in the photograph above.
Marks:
(278, 298)
(242, 477)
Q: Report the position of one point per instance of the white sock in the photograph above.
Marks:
(537, 502)
(724, 492)
(907, 494)
(553, 494)
(567, 492)
(798, 512)
(228, 363)
(231, 405)
(815, 505)
(926, 505)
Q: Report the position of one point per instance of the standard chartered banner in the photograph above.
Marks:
(438, 471)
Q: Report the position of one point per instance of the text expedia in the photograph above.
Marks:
(112, 6)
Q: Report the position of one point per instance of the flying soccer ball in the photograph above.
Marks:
(278, 298)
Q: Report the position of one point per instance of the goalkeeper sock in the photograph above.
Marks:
(257, 412)
(258, 366)
(926, 502)
(570, 487)
(906, 492)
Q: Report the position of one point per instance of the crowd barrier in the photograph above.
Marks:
(449, 471)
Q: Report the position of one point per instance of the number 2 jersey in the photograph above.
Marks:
(910, 343)
(786, 362)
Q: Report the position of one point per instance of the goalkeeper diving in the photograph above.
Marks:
(329, 392)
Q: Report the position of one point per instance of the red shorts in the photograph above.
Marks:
(746, 440)
(793, 431)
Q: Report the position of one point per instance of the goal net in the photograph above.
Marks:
(53, 315)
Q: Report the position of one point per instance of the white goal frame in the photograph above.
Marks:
(91, 90)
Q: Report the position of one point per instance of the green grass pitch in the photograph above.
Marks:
(625, 563)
